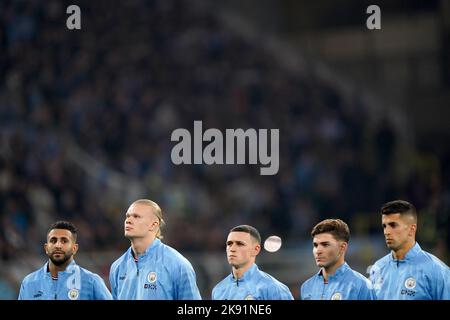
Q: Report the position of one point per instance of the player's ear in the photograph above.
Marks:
(45, 248)
(154, 225)
(257, 249)
(75, 248)
(412, 229)
(343, 248)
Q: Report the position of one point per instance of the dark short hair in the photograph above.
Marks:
(399, 206)
(336, 227)
(248, 229)
(66, 226)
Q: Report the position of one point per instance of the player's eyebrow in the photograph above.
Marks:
(134, 214)
(238, 242)
(392, 224)
(56, 238)
(315, 243)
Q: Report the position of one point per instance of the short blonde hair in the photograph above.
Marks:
(156, 211)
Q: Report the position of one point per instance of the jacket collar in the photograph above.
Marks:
(247, 274)
(150, 249)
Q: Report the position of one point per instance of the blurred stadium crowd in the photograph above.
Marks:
(115, 90)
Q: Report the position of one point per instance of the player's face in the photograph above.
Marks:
(397, 230)
(327, 250)
(60, 246)
(241, 249)
(140, 221)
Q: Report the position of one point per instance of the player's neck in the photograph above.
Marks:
(330, 270)
(400, 254)
(238, 273)
(54, 269)
(140, 245)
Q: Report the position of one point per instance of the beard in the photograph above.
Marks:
(60, 261)
(328, 262)
(393, 245)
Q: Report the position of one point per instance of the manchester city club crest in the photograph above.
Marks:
(73, 294)
(410, 283)
(336, 296)
(151, 277)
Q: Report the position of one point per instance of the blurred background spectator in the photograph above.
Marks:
(86, 118)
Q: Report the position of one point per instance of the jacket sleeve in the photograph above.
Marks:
(366, 291)
(441, 283)
(22, 291)
(186, 284)
(113, 281)
(279, 291)
(101, 292)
